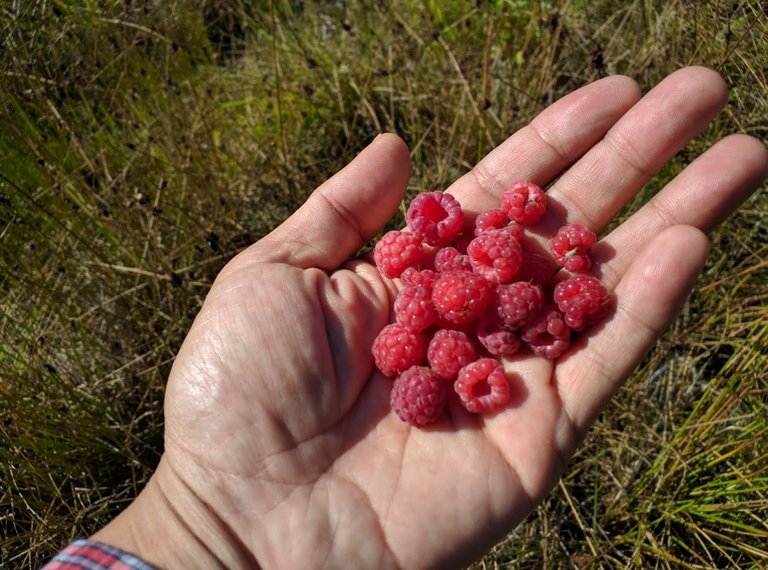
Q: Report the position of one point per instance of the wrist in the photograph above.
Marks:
(168, 527)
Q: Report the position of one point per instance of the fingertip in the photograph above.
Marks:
(703, 82)
(625, 85)
(679, 250)
(752, 151)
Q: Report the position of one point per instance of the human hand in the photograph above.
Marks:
(280, 448)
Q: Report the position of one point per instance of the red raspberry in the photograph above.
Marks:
(524, 203)
(397, 347)
(535, 268)
(496, 255)
(435, 217)
(515, 303)
(461, 296)
(413, 307)
(571, 247)
(418, 396)
(414, 276)
(513, 229)
(582, 299)
(493, 218)
(451, 259)
(483, 386)
(495, 337)
(547, 334)
(396, 251)
(449, 351)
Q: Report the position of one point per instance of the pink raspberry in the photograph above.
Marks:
(547, 334)
(524, 203)
(435, 217)
(397, 348)
(535, 268)
(396, 251)
(414, 276)
(461, 296)
(582, 299)
(496, 255)
(491, 219)
(451, 259)
(418, 396)
(413, 307)
(483, 386)
(449, 351)
(495, 337)
(571, 247)
(515, 303)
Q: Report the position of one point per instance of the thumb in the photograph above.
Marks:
(343, 213)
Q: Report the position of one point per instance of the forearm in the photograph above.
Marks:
(169, 527)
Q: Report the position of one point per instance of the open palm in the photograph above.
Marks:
(281, 450)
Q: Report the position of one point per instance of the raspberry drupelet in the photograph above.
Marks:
(435, 217)
(483, 386)
(449, 259)
(413, 276)
(491, 219)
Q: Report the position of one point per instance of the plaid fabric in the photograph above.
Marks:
(93, 555)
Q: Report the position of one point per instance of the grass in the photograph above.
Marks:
(144, 144)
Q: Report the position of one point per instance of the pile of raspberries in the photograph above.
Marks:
(471, 294)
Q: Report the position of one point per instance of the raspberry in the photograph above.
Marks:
(435, 217)
(524, 203)
(495, 337)
(451, 259)
(571, 246)
(547, 334)
(414, 276)
(396, 251)
(418, 396)
(535, 268)
(490, 219)
(449, 351)
(581, 299)
(513, 229)
(413, 307)
(461, 296)
(397, 348)
(517, 302)
(496, 255)
(483, 386)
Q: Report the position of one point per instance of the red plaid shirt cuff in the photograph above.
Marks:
(93, 555)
